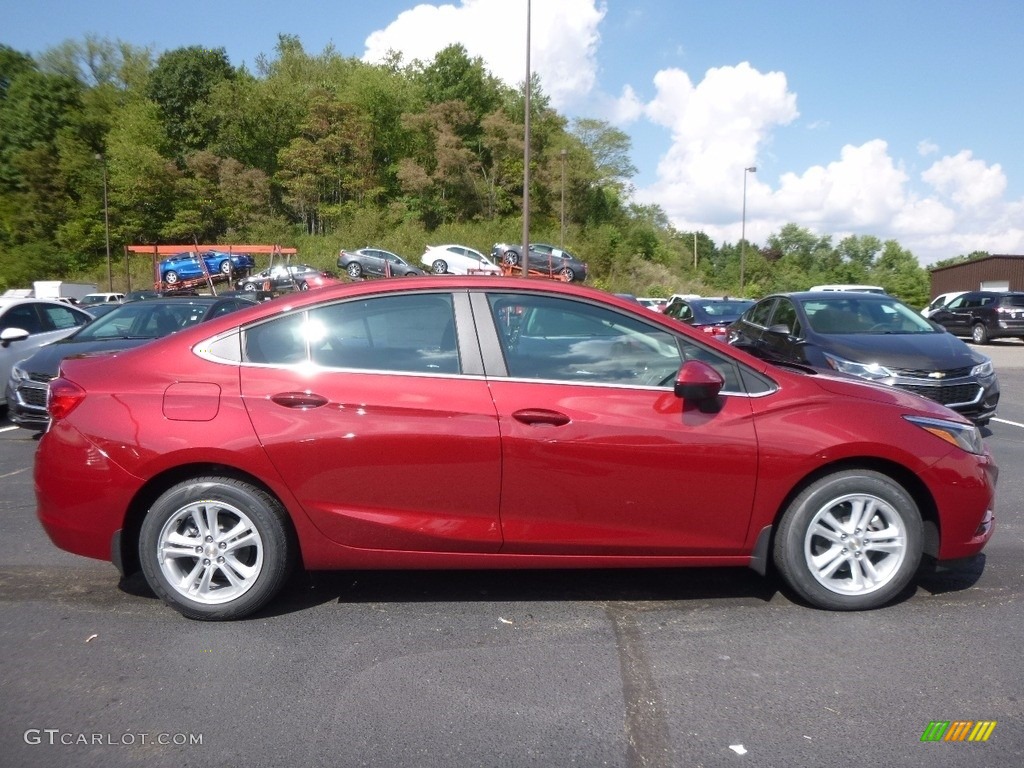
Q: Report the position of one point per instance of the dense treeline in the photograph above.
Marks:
(325, 151)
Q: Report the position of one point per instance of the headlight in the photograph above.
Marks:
(964, 436)
(983, 370)
(18, 373)
(872, 371)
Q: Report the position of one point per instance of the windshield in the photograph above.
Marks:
(142, 320)
(860, 315)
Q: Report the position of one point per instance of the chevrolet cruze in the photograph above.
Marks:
(488, 422)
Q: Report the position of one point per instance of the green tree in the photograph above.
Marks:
(181, 85)
(898, 271)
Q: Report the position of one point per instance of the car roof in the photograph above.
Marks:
(10, 301)
(834, 295)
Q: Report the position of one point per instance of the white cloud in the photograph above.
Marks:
(563, 40)
(968, 182)
(927, 147)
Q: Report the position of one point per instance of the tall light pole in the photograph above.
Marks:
(743, 226)
(526, 153)
(106, 223)
(563, 154)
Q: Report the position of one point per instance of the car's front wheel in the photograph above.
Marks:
(439, 267)
(568, 274)
(225, 267)
(354, 270)
(850, 541)
(216, 548)
(979, 334)
(171, 277)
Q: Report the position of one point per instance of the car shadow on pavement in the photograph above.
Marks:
(309, 589)
(951, 576)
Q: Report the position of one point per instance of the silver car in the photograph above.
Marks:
(28, 324)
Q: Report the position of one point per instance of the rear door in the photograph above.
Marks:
(370, 410)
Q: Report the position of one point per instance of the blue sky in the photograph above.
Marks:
(895, 118)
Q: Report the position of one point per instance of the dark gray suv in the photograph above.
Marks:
(984, 315)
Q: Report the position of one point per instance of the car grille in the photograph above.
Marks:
(928, 373)
(955, 394)
(44, 378)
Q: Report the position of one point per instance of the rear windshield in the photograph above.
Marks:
(1012, 301)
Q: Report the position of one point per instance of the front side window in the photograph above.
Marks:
(785, 314)
(759, 313)
(551, 338)
(22, 316)
(411, 334)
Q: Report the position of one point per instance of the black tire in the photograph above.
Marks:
(225, 267)
(247, 287)
(839, 563)
(171, 277)
(439, 267)
(354, 270)
(568, 274)
(260, 560)
(979, 334)
(511, 258)
(303, 286)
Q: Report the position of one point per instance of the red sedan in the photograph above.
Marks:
(482, 422)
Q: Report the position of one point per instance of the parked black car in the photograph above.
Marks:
(876, 337)
(128, 325)
(983, 315)
(543, 258)
(712, 315)
(375, 262)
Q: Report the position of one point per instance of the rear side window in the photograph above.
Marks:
(1013, 301)
(61, 318)
(412, 334)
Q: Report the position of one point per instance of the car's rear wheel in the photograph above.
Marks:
(439, 267)
(247, 287)
(850, 541)
(354, 270)
(979, 334)
(216, 548)
(171, 277)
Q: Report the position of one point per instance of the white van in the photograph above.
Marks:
(849, 287)
(940, 301)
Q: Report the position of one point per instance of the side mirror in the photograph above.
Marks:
(12, 334)
(699, 383)
(779, 329)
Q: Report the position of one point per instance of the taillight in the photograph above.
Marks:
(62, 398)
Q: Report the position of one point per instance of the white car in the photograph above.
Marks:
(457, 260)
(940, 301)
(26, 325)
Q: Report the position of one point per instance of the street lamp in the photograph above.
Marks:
(743, 226)
(563, 154)
(106, 223)
(526, 152)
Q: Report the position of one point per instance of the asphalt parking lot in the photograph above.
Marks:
(620, 668)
